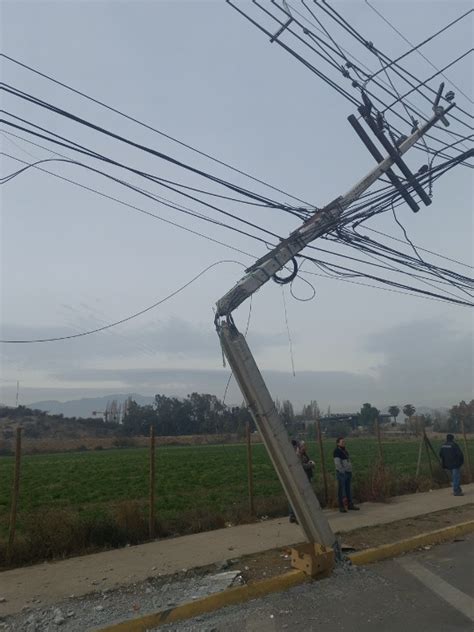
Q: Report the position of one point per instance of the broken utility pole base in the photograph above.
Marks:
(313, 559)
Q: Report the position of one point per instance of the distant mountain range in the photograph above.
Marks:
(86, 406)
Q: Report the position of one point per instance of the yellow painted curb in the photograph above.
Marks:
(410, 544)
(240, 594)
(210, 603)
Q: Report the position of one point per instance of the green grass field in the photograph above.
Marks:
(200, 481)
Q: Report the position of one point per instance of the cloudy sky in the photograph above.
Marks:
(73, 261)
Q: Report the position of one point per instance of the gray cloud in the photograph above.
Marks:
(428, 361)
(176, 338)
(338, 388)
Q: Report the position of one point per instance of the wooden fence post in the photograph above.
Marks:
(250, 469)
(379, 441)
(418, 464)
(323, 464)
(15, 495)
(151, 508)
(466, 449)
(427, 447)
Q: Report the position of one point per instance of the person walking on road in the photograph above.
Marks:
(344, 476)
(452, 459)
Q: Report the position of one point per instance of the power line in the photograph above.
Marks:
(310, 66)
(423, 83)
(147, 126)
(397, 68)
(127, 318)
(199, 216)
(431, 252)
(317, 262)
(139, 209)
(369, 74)
(337, 17)
(110, 161)
(177, 208)
(415, 48)
(395, 284)
(77, 119)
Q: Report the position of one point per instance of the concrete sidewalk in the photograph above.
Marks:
(51, 582)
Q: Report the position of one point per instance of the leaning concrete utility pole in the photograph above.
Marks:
(275, 437)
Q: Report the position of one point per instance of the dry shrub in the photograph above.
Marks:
(130, 517)
(377, 485)
(53, 532)
(46, 534)
(331, 500)
(271, 506)
(197, 520)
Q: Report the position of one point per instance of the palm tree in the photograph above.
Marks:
(394, 411)
(409, 410)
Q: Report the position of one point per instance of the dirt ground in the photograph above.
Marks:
(103, 605)
(274, 562)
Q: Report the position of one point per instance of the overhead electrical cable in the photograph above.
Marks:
(147, 126)
(127, 318)
(306, 63)
(415, 48)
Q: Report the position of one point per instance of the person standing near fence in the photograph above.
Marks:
(452, 459)
(343, 465)
(306, 462)
(292, 515)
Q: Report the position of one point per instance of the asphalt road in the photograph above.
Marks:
(432, 590)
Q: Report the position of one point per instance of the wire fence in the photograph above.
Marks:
(52, 505)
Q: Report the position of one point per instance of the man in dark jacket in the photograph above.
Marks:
(452, 459)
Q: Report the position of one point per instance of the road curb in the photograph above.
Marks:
(240, 594)
(386, 551)
(229, 597)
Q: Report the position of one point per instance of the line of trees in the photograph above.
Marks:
(196, 414)
(206, 414)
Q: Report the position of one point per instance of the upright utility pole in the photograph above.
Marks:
(293, 479)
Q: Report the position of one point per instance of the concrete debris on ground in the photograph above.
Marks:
(100, 609)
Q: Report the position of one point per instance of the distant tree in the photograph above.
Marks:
(287, 413)
(409, 410)
(462, 412)
(367, 416)
(394, 411)
(427, 420)
(138, 419)
(310, 412)
(440, 421)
